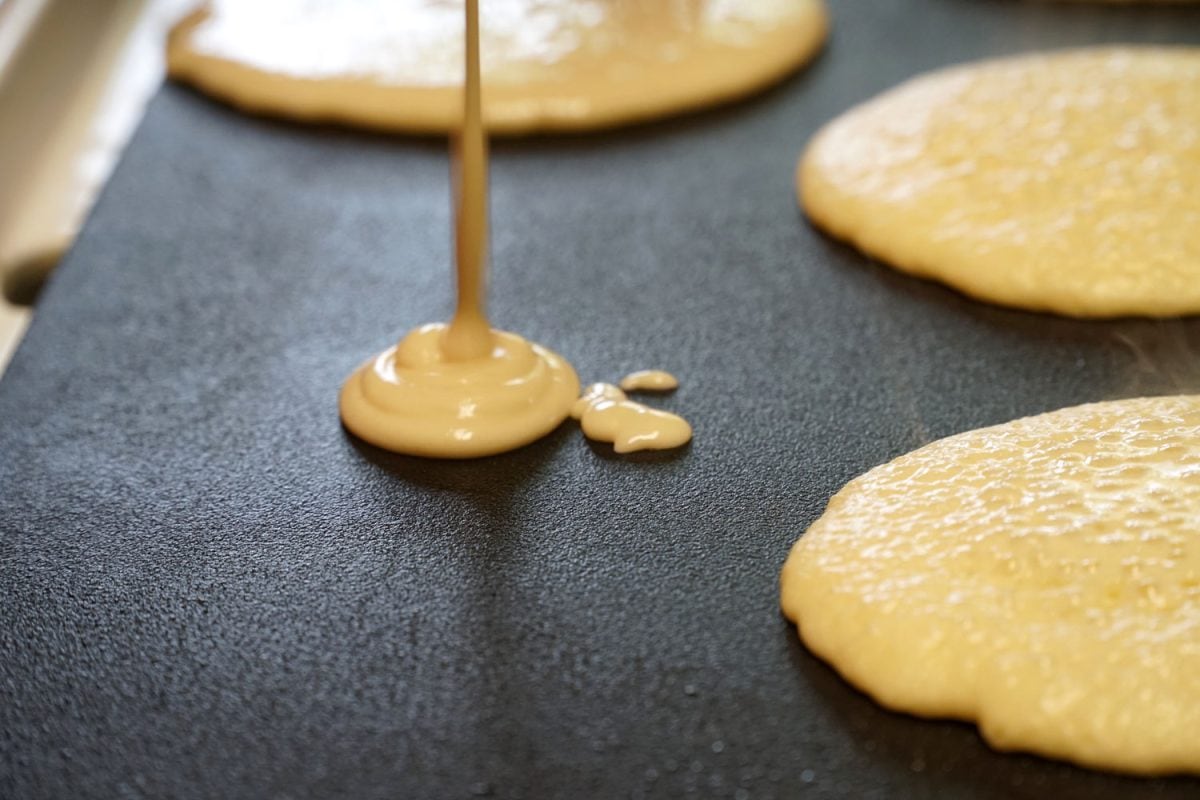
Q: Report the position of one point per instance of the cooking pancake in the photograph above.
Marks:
(1064, 182)
(549, 65)
(1040, 577)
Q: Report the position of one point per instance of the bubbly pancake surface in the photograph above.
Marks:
(1063, 182)
(1040, 577)
(548, 64)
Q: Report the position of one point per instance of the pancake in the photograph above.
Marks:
(1040, 577)
(1064, 182)
(549, 65)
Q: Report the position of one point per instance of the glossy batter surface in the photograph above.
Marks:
(1065, 182)
(606, 414)
(461, 390)
(1041, 577)
(649, 380)
(594, 393)
(413, 399)
(548, 64)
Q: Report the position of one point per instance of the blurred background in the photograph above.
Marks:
(75, 76)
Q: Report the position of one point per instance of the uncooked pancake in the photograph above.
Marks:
(1064, 182)
(548, 64)
(1040, 577)
(461, 390)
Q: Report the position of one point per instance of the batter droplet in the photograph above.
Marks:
(606, 416)
(594, 393)
(649, 380)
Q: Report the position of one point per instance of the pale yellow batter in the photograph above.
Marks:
(1065, 182)
(606, 414)
(594, 393)
(631, 426)
(413, 399)
(1040, 577)
(649, 380)
(461, 390)
(550, 64)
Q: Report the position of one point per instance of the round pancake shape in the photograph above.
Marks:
(1040, 577)
(548, 65)
(1063, 182)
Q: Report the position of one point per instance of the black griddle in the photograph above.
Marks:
(210, 590)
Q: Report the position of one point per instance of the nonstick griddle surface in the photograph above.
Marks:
(210, 590)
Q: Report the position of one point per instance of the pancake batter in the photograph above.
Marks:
(461, 390)
(606, 414)
(1040, 577)
(649, 380)
(1065, 182)
(550, 64)
(593, 394)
